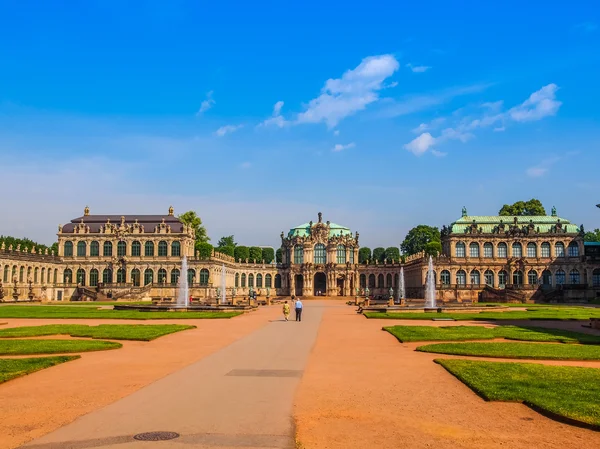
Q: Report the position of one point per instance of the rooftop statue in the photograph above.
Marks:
(464, 211)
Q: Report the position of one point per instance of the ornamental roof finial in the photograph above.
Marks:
(86, 211)
(464, 211)
(320, 215)
(553, 211)
(171, 211)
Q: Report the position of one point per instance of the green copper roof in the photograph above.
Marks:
(303, 230)
(488, 222)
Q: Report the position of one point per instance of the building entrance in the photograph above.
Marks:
(320, 284)
(299, 282)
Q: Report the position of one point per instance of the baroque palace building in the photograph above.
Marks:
(141, 257)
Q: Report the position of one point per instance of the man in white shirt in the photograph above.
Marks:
(298, 306)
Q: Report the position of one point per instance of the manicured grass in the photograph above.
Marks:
(566, 391)
(96, 303)
(56, 312)
(11, 368)
(537, 313)
(26, 347)
(104, 331)
(462, 333)
(540, 351)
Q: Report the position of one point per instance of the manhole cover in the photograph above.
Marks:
(156, 436)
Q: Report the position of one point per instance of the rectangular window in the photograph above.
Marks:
(502, 251)
(573, 251)
(517, 251)
(488, 251)
(531, 251)
(560, 251)
(545, 250)
(351, 255)
(460, 251)
(298, 255)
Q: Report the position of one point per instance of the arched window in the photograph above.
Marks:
(460, 249)
(380, 281)
(135, 277)
(517, 250)
(35, 275)
(546, 249)
(237, 279)
(475, 277)
(277, 281)
(320, 256)
(445, 277)
(560, 277)
(94, 249)
(461, 277)
(363, 280)
(68, 276)
(55, 277)
(175, 273)
(107, 276)
(28, 274)
(81, 249)
(162, 276)
(162, 249)
(149, 249)
(14, 273)
(574, 277)
(299, 254)
(136, 248)
(107, 249)
(474, 249)
(121, 276)
(488, 250)
(250, 280)
(388, 280)
(596, 277)
(148, 276)
(532, 277)
(176, 249)
(341, 254)
(81, 276)
(43, 276)
(547, 277)
(502, 278)
(243, 280)
(559, 249)
(6, 270)
(259, 280)
(371, 280)
(573, 249)
(121, 248)
(21, 274)
(351, 254)
(488, 277)
(93, 277)
(502, 250)
(531, 249)
(68, 249)
(204, 274)
(191, 276)
(268, 279)
(518, 277)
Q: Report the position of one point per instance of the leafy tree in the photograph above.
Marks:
(433, 249)
(255, 253)
(392, 253)
(190, 218)
(229, 250)
(268, 254)
(533, 207)
(226, 241)
(593, 236)
(27, 244)
(278, 256)
(379, 254)
(241, 252)
(204, 249)
(418, 237)
(364, 255)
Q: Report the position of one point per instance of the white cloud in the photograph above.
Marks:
(420, 144)
(353, 92)
(206, 104)
(418, 68)
(276, 118)
(419, 129)
(245, 165)
(336, 132)
(437, 153)
(500, 129)
(536, 172)
(227, 129)
(340, 147)
(540, 104)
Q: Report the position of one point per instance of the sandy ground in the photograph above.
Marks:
(363, 389)
(41, 402)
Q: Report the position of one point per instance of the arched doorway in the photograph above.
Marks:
(299, 283)
(320, 284)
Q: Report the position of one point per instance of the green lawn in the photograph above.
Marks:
(96, 303)
(462, 333)
(543, 351)
(26, 347)
(570, 392)
(104, 331)
(536, 313)
(67, 311)
(11, 368)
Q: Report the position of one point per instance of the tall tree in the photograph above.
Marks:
(255, 254)
(533, 207)
(379, 254)
(364, 255)
(278, 256)
(229, 250)
(226, 241)
(433, 248)
(268, 254)
(242, 253)
(204, 249)
(392, 253)
(592, 236)
(418, 237)
(190, 218)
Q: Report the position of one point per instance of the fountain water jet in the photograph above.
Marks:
(401, 292)
(183, 299)
(223, 293)
(430, 296)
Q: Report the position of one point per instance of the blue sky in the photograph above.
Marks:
(258, 115)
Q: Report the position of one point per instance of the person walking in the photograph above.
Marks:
(299, 307)
(286, 311)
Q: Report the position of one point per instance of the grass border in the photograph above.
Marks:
(59, 359)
